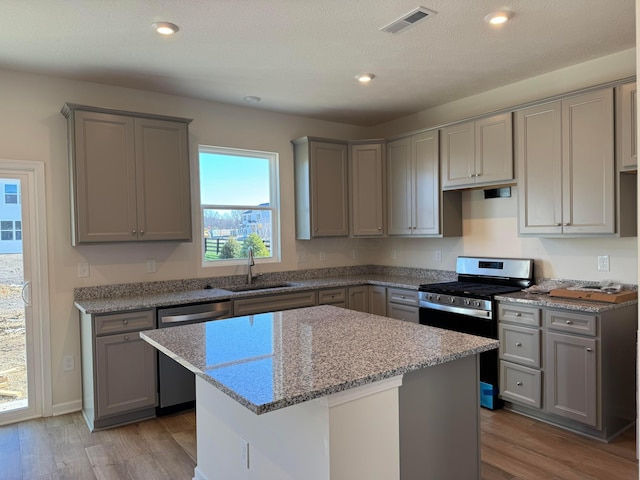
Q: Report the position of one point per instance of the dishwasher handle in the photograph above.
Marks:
(191, 317)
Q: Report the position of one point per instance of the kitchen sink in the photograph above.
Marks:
(256, 286)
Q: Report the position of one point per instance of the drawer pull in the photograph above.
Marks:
(402, 297)
(569, 322)
(126, 337)
(518, 314)
(518, 344)
(519, 384)
(125, 322)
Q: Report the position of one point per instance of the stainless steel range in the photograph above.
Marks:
(468, 305)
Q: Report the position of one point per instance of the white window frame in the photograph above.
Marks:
(274, 204)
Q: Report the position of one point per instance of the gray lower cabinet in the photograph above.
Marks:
(403, 304)
(274, 303)
(119, 376)
(358, 298)
(378, 300)
(571, 368)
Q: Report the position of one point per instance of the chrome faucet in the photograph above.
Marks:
(250, 263)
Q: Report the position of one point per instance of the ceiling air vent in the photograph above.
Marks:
(407, 20)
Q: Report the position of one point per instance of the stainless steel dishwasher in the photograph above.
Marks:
(176, 384)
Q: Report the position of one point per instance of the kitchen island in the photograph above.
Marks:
(328, 393)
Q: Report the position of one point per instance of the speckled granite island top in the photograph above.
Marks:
(274, 360)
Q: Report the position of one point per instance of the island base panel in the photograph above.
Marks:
(440, 422)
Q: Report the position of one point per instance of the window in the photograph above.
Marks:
(11, 195)
(239, 204)
(10, 230)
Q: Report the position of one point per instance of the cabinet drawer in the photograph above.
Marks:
(331, 296)
(521, 384)
(124, 322)
(404, 312)
(401, 295)
(509, 312)
(571, 322)
(274, 303)
(519, 344)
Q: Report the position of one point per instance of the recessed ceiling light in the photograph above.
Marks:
(497, 18)
(365, 77)
(252, 99)
(165, 28)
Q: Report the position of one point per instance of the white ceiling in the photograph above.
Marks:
(300, 56)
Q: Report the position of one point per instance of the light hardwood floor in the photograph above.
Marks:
(513, 448)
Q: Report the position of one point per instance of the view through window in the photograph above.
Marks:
(239, 204)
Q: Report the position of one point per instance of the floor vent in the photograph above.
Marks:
(407, 20)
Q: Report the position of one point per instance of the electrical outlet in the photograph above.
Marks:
(151, 266)
(603, 263)
(354, 254)
(323, 256)
(393, 254)
(68, 363)
(83, 270)
(437, 256)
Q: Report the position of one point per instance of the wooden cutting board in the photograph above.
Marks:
(595, 295)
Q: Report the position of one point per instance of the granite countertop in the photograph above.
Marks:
(543, 300)
(274, 360)
(167, 299)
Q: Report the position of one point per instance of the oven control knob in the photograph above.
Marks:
(452, 299)
(477, 303)
(438, 298)
(467, 302)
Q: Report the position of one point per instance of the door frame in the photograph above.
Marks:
(34, 171)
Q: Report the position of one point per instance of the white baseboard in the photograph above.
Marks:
(199, 475)
(68, 407)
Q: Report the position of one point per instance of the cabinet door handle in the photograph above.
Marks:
(126, 337)
(380, 228)
(567, 224)
(589, 349)
(125, 322)
(569, 322)
(519, 384)
(141, 232)
(133, 232)
(518, 344)
(315, 229)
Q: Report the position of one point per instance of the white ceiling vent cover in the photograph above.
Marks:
(407, 20)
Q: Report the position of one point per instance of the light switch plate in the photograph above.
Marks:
(83, 270)
(151, 266)
(603, 263)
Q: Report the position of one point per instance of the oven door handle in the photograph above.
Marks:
(470, 312)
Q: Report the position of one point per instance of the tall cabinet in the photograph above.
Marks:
(129, 176)
(366, 173)
(415, 205)
(565, 155)
(321, 184)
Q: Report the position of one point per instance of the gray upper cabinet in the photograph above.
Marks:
(129, 176)
(479, 152)
(366, 171)
(415, 204)
(321, 183)
(626, 127)
(565, 155)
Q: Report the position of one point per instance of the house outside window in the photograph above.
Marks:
(239, 198)
(10, 230)
(11, 194)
